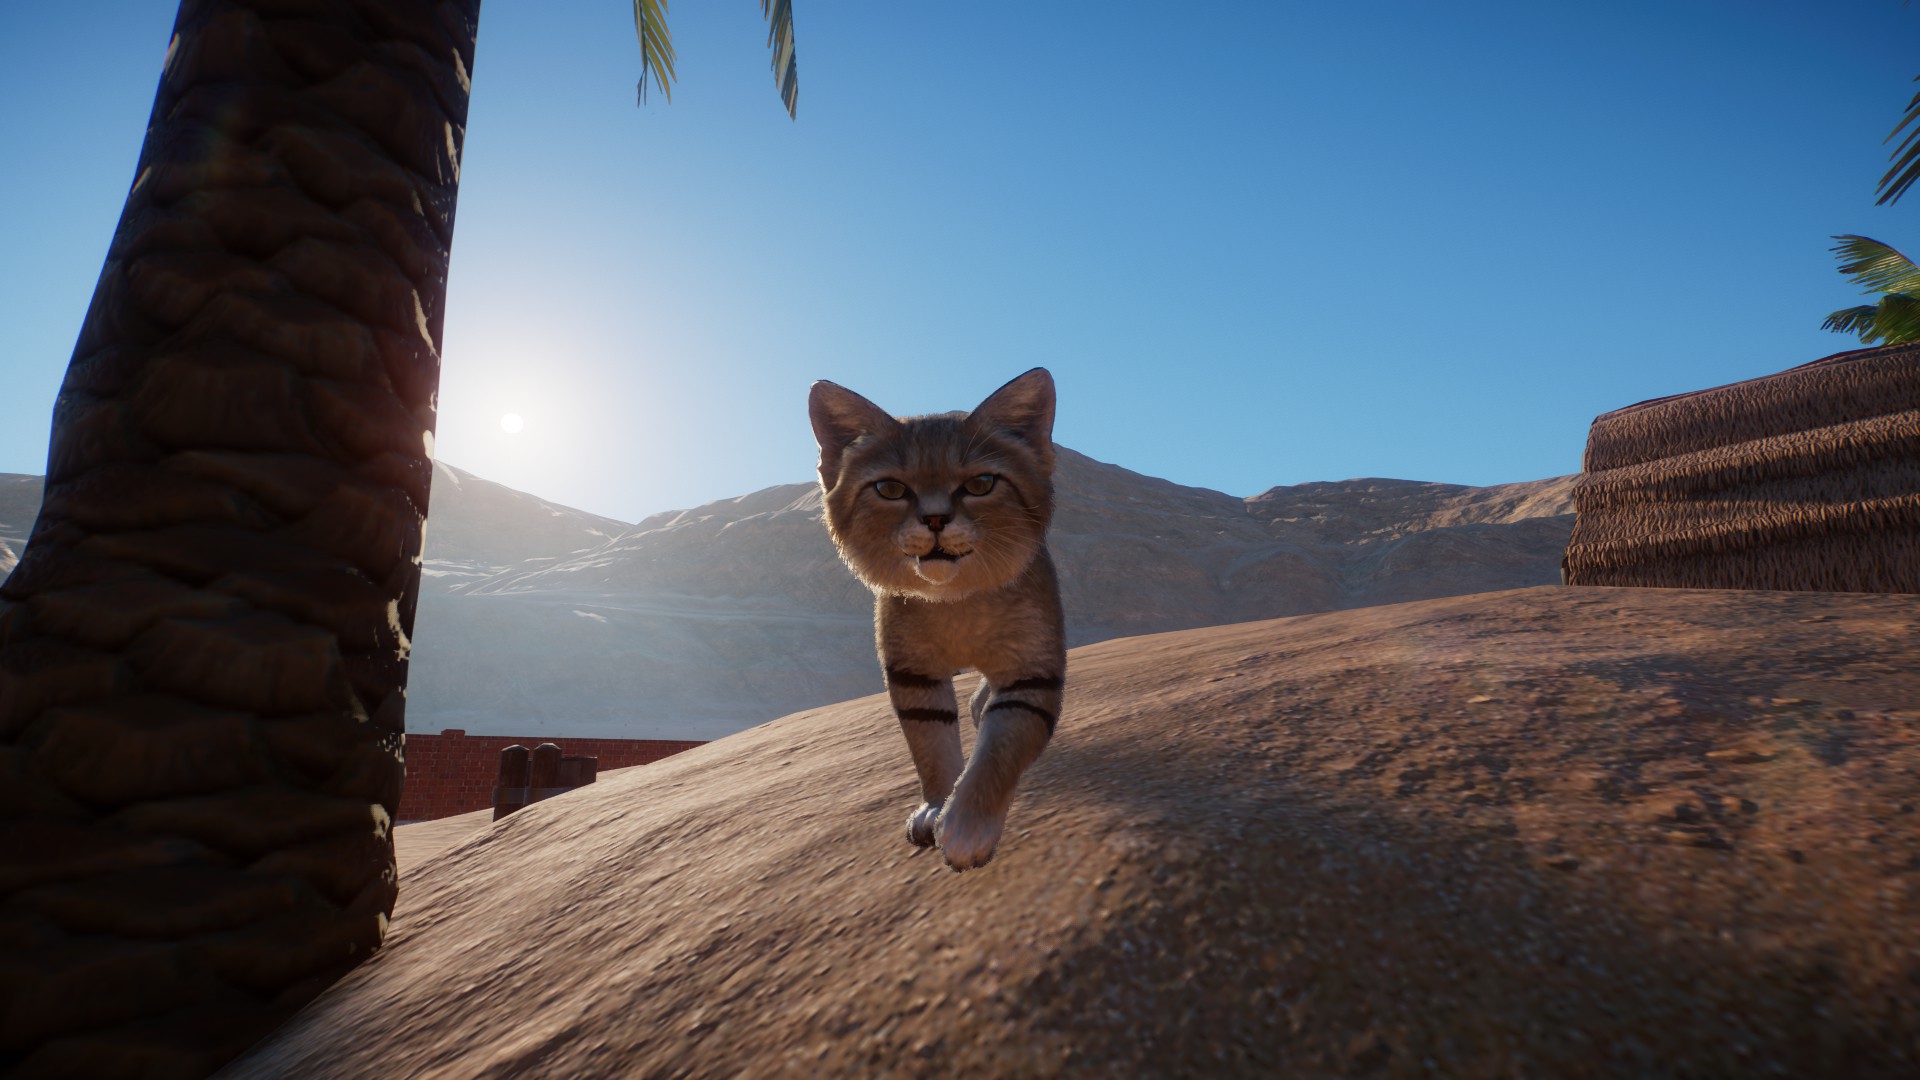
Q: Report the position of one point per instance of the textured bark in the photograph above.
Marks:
(203, 650)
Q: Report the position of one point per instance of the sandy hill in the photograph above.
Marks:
(1543, 832)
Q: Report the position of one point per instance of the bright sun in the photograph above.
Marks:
(511, 423)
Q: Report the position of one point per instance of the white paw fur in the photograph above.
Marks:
(968, 838)
(920, 824)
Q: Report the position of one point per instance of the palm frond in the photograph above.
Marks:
(1853, 320)
(1906, 156)
(656, 47)
(1898, 320)
(786, 66)
(1877, 267)
(1895, 320)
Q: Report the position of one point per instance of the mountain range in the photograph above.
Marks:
(537, 618)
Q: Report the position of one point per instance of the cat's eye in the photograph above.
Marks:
(890, 489)
(979, 485)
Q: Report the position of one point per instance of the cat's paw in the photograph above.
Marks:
(920, 824)
(968, 838)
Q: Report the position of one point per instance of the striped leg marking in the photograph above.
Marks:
(925, 706)
(1037, 695)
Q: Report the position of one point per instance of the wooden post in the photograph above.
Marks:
(527, 777)
(511, 787)
(546, 772)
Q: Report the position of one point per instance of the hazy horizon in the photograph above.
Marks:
(808, 480)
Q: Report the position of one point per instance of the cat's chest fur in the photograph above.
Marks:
(1003, 633)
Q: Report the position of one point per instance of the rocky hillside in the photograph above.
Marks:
(703, 622)
(536, 618)
(19, 505)
(1548, 832)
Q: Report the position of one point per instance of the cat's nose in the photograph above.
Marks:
(936, 522)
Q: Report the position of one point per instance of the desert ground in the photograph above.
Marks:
(1541, 832)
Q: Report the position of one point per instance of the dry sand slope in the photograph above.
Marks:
(1546, 832)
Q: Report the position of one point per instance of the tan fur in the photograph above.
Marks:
(960, 581)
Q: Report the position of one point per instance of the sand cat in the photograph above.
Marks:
(945, 519)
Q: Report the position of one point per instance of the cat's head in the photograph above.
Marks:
(938, 506)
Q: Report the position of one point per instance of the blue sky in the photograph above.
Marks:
(1256, 243)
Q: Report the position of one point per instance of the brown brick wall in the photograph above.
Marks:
(453, 772)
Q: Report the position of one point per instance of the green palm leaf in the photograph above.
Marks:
(1853, 320)
(1876, 266)
(786, 67)
(1895, 320)
(656, 47)
(1898, 320)
(1906, 156)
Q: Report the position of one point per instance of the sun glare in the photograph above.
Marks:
(511, 423)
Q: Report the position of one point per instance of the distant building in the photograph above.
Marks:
(453, 772)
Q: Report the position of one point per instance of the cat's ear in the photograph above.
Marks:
(1023, 407)
(840, 416)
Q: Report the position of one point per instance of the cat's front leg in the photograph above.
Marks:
(925, 706)
(1015, 721)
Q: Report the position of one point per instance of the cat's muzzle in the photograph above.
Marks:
(938, 566)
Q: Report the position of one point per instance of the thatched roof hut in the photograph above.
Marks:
(1806, 479)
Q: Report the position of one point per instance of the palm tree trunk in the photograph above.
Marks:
(203, 650)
